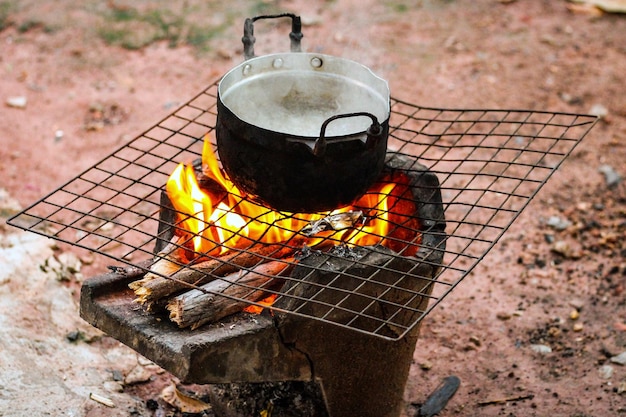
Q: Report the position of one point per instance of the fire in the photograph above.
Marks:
(220, 218)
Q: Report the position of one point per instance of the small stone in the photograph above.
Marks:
(426, 366)
(557, 223)
(566, 250)
(74, 336)
(574, 314)
(605, 371)
(599, 110)
(224, 53)
(503, 316)
(611, 177)
(117, 375)
(18, 102)
(578, 327)
(543, 349)
(619, 359)
(137, 375)
(475, 340)
(561, 247)
(113, 386)
(58, 135)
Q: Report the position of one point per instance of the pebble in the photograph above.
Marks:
(543, 349)
(611, 177)
(619, 359)
(570, 99)
(574, 314)
(566, 250)
(18, 102)
(503, 316)
(557, 223)
(578, 327)
(113, 386)
(137, 375)
(605, 371)
(599, 110)
(74, 336)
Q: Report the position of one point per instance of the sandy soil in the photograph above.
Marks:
(85, 98)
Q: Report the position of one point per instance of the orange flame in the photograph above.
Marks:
(219, 217)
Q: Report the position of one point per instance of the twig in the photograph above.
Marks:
(506, 400)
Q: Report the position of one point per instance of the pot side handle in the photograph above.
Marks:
(249, 39)
(375, 130)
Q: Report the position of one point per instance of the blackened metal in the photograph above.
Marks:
(374, 132)
(272, 135)
(286, 174)
(248, 38)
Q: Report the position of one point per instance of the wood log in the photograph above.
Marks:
(170, 260)
(150, 291)
(197, 307)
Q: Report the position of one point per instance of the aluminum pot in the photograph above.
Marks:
(301, 132)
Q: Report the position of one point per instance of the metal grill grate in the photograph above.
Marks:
(489, 164)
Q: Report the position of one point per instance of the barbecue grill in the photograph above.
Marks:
(480, 167)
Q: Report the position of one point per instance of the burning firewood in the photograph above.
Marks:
(197, 307)
(170, 260)
(149, 291)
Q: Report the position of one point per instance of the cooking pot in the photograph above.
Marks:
(301, 132)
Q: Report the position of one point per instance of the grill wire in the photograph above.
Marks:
(490, 164)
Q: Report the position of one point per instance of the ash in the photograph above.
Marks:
(278, 399)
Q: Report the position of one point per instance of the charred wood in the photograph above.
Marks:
(225, 296)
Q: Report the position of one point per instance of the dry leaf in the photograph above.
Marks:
(182, 402)
(610, 6)
(587, 9)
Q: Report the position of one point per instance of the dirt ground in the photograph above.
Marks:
(78, 81)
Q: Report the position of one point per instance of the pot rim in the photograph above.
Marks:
(344, 74)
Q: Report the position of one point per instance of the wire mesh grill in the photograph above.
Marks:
(489, 163)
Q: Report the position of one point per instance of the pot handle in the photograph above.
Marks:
(320, 144)
(249, 39)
